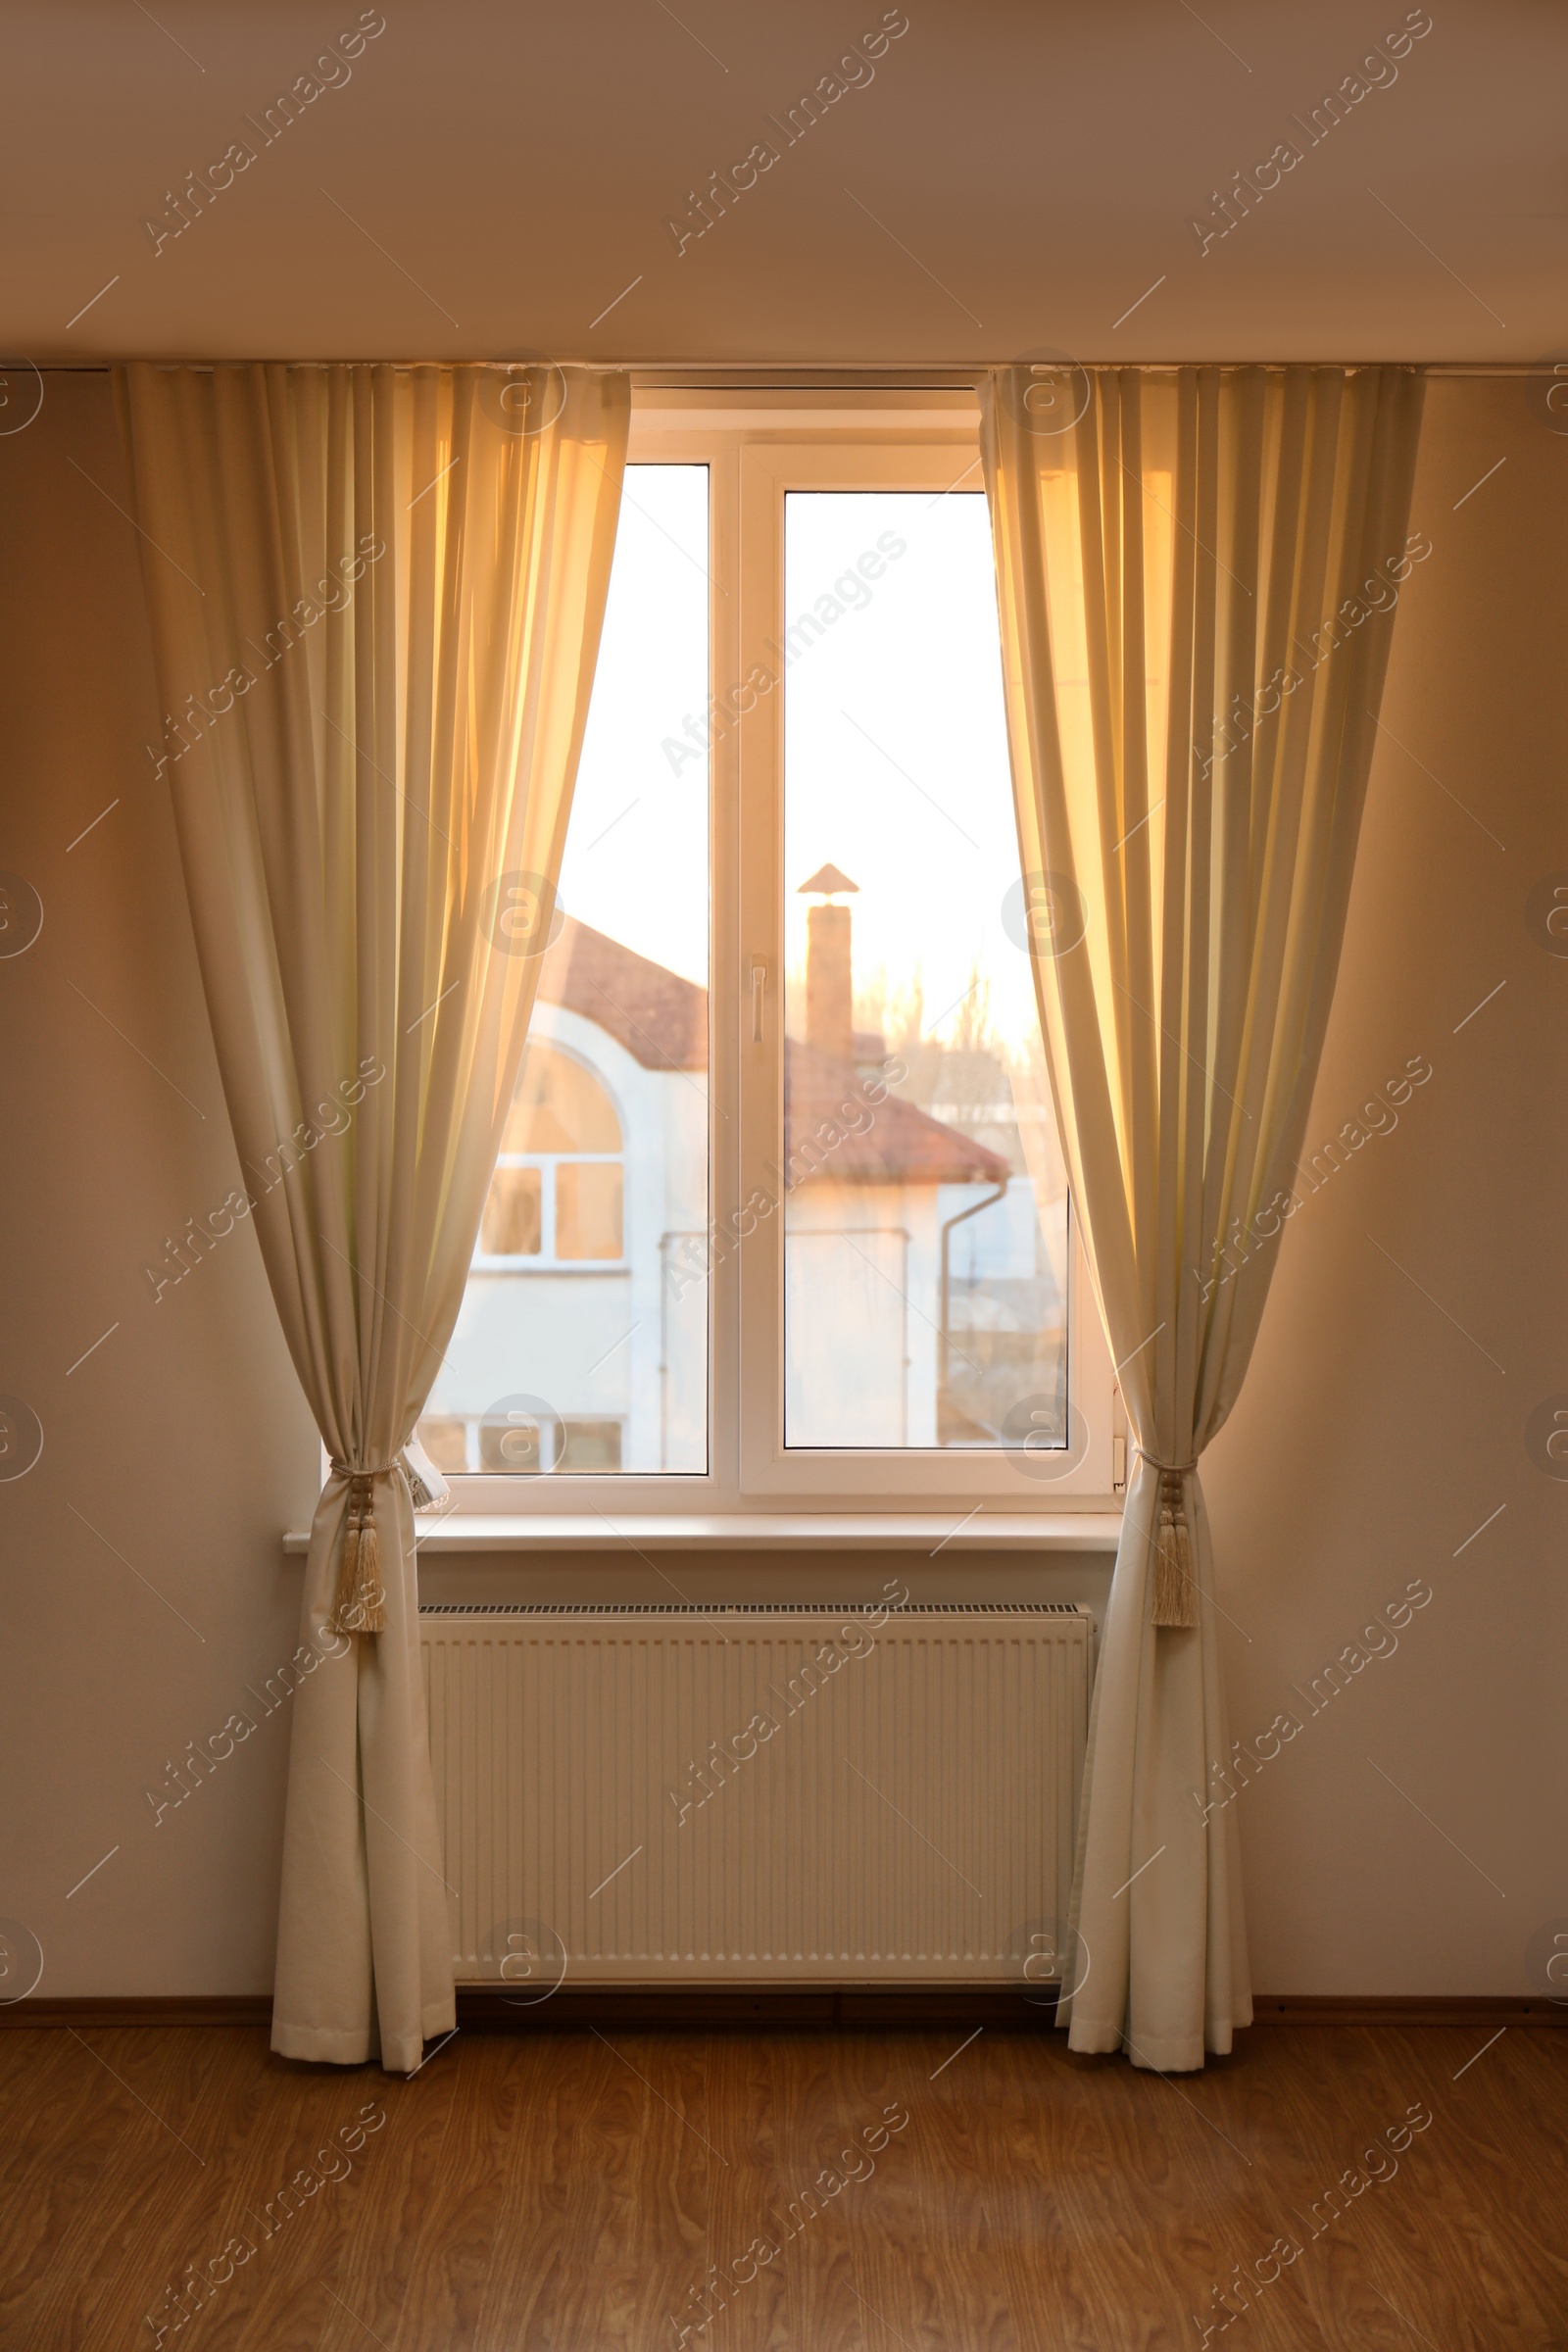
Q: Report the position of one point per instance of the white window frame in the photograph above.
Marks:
(758, 446)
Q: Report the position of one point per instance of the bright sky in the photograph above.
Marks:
(896, 746)
(636, 858)
(896, 751)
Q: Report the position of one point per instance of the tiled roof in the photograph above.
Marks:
(898, 1143)
(661, 1020)
(657, 1015)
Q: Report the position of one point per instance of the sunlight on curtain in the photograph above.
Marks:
(1195, 572)
(376, 595)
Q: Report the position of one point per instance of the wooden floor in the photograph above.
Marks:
(573, 2191)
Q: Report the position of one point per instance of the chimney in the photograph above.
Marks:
(829, 968)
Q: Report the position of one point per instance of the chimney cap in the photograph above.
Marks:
(828, 882)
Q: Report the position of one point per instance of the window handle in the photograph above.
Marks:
(758, 991)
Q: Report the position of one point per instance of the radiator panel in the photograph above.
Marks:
(613, 1804)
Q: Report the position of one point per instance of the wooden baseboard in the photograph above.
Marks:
(1405, 2009)
(650, 2008)
(143, 2009)
(766, 2008)
(788, 2008)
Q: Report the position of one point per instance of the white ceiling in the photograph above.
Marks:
(1013, 177)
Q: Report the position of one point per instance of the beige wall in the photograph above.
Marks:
(1373, 1435)
(182, 1440)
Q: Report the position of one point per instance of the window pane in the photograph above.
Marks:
(512, 1224)
(588, 1209)
(577, 1360)
(926, 1219)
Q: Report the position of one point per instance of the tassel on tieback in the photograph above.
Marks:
(1175, 1593)
(361, 1605)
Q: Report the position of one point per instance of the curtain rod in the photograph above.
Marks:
(768, 374)
(746, 373)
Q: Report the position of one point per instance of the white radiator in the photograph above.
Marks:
(757, 1794)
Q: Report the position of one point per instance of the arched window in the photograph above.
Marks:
(555, 1197)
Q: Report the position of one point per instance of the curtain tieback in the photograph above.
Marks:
(1175, 1591)
(361, 1603)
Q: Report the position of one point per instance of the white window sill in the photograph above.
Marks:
(767, 1531)
(549, 1266)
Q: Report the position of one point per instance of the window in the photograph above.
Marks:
(556, 1196)
(791, 977)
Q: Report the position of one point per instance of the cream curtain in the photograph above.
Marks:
(1195, 572)
(376, 595)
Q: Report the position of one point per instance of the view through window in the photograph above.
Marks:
(925, 1254)
(573, 1351)
(925, 1233)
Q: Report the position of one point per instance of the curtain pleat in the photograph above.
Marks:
(377, 596)
(1195, 579)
